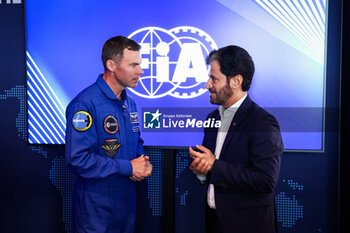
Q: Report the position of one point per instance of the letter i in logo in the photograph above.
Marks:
(162, 49)
(162, 61)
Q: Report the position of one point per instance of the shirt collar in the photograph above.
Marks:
(233, 108)
(107, 90)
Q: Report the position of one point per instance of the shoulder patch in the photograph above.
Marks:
(81, 120)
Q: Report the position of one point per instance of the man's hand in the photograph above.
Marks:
(141, 168)
(202, 162)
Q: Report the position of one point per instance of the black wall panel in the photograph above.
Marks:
(36, 186)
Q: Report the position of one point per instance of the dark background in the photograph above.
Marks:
(35, 186)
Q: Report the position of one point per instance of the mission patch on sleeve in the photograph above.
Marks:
(82, 121)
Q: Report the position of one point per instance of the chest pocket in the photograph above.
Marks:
(119, 132)
(109, 136)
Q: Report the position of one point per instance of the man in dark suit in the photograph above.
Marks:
(240, 161)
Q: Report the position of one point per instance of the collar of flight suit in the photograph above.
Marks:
(107, 90)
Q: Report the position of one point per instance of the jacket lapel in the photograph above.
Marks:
(240, 115)
(213, 133)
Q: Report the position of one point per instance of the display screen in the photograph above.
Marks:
(286, 40)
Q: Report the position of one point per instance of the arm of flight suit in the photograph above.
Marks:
(140, 150)
(132, 105)
(82, 150)
(261, 175)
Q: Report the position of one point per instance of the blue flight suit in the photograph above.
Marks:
(102, 136)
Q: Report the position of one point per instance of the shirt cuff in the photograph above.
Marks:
(201, 178)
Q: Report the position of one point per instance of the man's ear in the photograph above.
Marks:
(110, 64)
(236, 81)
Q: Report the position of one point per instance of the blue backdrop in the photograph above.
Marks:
(285, 38)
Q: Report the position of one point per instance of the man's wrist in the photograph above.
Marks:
(211, 163)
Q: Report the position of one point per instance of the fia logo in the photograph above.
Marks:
(173, 61)
(151, 120)
(12, 2)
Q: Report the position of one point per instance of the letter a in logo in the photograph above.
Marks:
(191, 54)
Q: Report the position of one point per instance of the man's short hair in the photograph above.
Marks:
(113, 48)
(233, 61)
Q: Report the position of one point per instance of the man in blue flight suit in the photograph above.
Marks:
(103, 144)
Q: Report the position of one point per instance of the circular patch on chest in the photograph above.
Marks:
(110, 124)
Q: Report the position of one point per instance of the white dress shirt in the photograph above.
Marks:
(226, 119)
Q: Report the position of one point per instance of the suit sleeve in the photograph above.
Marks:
(81, 153)
(140, 150)
(262, 172)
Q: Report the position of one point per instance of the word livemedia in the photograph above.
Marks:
(191, 123)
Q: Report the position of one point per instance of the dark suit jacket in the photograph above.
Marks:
(246, 173)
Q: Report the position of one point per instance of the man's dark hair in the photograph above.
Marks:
(114, 47)
(233, 61)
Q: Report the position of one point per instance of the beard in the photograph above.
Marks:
(221, 95)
